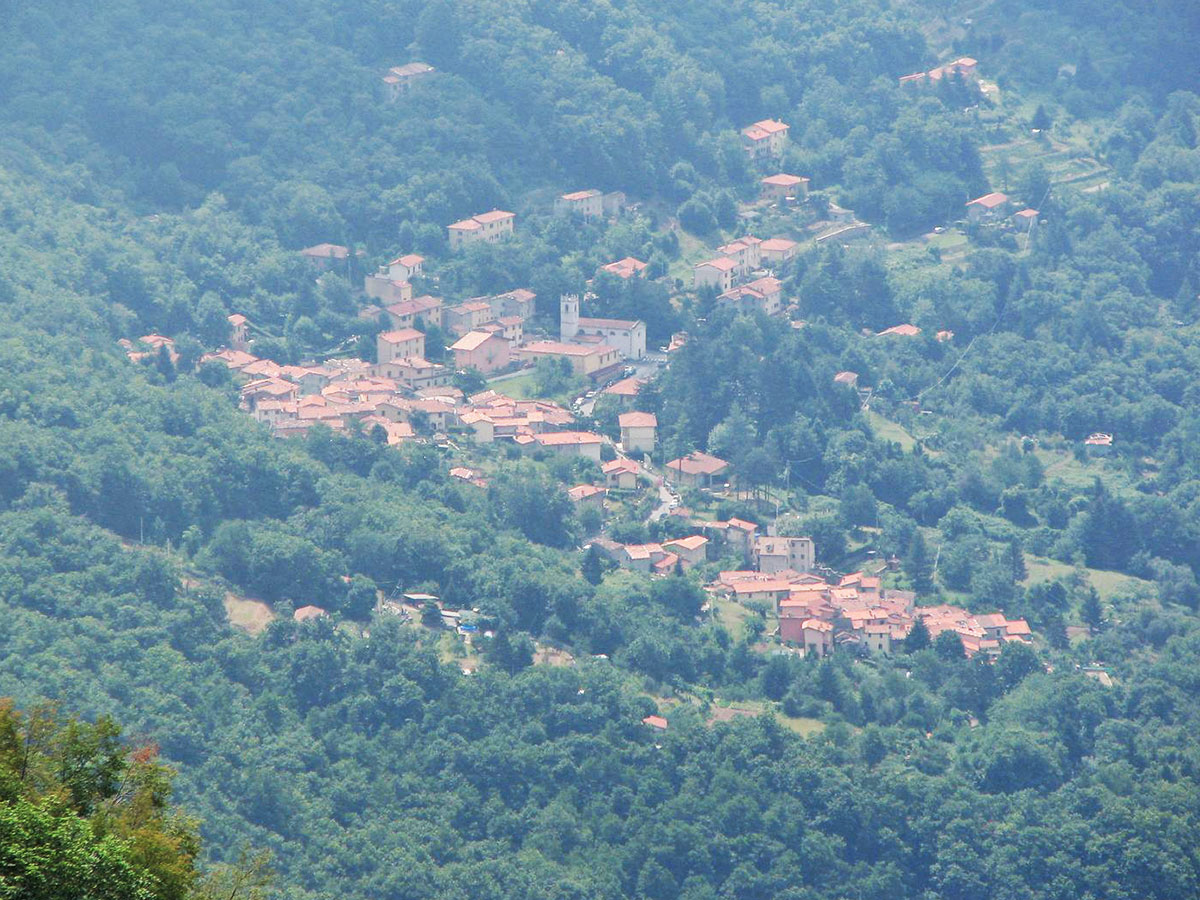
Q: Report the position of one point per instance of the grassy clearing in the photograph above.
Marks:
(519, 388)
(691, 251)
(1107, 584)
(731, 615)
(725, 710)
(802, 725)
(887, 430)
(951, 239)
(1062, 465)
(252, 616)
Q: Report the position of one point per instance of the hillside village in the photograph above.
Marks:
(397, 394)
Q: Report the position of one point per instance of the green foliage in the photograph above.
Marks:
(364, 756)
(81, 815)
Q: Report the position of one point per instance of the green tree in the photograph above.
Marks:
(918, 565)
(917, 638)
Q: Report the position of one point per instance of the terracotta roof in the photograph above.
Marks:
(496, 215)
(328, 251)
(777, 244)
(415, 306)
(637, 420)
(784, 180)
(655, 722)
(473, 340)
(409, 69)
(400, 336)
(625, 268)
(693, 542)
(723, 263)
(304, 613)
(1027, 214)
(409, 260)
(584, 491)
(773, 586)
(618, 466)
(989, 201)
(764, 129)
(563, 349)
(567, 438)
(904, 330)
(237, 319)
(581, 195)
(626, 387)
(617, 324)
(698, 463)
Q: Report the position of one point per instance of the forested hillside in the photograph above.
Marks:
(160, 167)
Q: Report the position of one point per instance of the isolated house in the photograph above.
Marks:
(781, 186)
(904, 330)
(327, 256)
(587, 495)
(1024, 219)
(399, 79)
(629, 267)
(488, 228)
(698, 469)
(987, 208)
(765, 139)
(588, 204)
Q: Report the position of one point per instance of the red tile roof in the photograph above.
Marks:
(904, 330)
(567, 438)
(625, 268)
(698, 463)
(989, 201)
(723, 263)
(473, 340)
(399, 337)
(637, 420)
(496, 215)
(782, 180)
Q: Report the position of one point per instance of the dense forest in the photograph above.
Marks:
(160, 167)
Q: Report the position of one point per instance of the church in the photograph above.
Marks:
(626, 336)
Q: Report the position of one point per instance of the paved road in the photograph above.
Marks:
(644, 368)
(665, 499)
